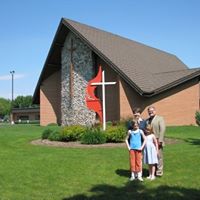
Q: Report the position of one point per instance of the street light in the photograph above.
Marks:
(12, 73)
(11, 117)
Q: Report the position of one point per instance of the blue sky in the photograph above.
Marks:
(28, 27)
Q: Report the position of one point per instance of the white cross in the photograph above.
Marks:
(103, 84)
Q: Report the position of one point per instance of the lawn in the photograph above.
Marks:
(29, 172)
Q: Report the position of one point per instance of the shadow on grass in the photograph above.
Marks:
(123, 172)
(193, 141)
(126, 173)
(137, 191)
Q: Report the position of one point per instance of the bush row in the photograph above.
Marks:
(87, 135)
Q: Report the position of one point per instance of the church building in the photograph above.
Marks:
(144, 76)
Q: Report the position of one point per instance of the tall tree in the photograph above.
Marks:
(23, 102)
(5, 107)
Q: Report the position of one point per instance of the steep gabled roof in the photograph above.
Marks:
(148, 70)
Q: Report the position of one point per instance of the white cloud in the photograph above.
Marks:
(5, 78)
(9, 77)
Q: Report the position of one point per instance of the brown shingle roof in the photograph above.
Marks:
(166, 80)
(145, 68)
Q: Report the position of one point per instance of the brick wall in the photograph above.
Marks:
(129, 99)
(50, 97)
(31, 116)
(177, 106)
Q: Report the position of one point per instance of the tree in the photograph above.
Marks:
(23, 102)
(5, 107)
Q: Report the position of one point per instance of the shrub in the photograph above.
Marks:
(46, 133)
(93, 136)
(109, 123)
(197, 117)
(126, 123)
(72, 133)
(115, 133)
(55, 136)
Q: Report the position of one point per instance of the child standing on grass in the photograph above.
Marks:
(151, 152)
(135, 141)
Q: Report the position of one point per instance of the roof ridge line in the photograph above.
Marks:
(122, 37)
(176, 71)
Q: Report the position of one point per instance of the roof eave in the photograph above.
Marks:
(172, 84)
(36, 94)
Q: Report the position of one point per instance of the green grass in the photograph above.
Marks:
(29, 172)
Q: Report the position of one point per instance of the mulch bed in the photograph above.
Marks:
(79, 145)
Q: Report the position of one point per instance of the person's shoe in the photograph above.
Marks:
(132, 178)
(149, 177)
(152, 178)
(159, 174)
(140, 179)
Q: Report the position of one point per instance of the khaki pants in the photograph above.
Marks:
(159, 168)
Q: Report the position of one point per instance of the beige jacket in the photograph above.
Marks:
(158, 125)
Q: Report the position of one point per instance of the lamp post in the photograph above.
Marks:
(12, 73)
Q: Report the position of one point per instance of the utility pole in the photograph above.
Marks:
(12, 74)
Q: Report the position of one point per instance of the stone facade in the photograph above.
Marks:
(73, 106)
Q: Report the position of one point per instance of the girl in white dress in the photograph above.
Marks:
(151, 152)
